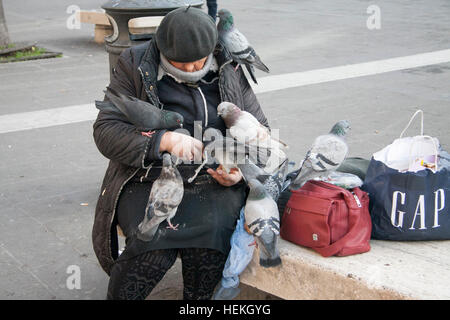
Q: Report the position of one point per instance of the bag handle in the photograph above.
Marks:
(410, 121)
(353, 203)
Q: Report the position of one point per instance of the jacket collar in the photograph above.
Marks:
(148, 68)
(150, 61)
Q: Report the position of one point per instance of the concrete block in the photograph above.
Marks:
(101, 31)
(144, 25)
(93, 17)
(391, 270)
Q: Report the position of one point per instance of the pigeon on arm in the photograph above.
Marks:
(325, 156)
(165, 196)
(143, 115)
(237, 44)
(245, 128)
(262, 220)
(228, 152)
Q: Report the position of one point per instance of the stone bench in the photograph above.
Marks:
(390, 270)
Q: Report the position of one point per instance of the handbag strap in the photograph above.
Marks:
(354, 204)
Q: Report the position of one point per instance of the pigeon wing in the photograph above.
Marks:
(238, 45)
(230, 152)
(328, 152)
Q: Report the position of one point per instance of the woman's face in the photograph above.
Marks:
(189, 66)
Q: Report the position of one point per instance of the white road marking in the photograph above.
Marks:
(47, 118)
(298, 79)
(87, 112)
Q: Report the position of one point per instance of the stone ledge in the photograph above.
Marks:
(390, 270)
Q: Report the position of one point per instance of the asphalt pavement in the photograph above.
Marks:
(50, 176)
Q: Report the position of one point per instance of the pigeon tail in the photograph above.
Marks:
(269, 263)
(146, 235)
(259, 64)
(251, 72)
(107, 106)
(118, 100)
(147, 228)
(268, 254)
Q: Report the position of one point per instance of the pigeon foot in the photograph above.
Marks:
(148, 134)
(171, 226)
(254, 243)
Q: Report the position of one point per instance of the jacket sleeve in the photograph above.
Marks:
(117, 139)
(250, 101)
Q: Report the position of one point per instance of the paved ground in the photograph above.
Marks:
(50, 177)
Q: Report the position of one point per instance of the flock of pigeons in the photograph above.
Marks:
(261, 159)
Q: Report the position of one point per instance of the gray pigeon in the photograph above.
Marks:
(273, 183)
(325, 156)
(262, 219)
(228, 152)
(245, 128)
(237, 44)
(165, 196)
(143, 115)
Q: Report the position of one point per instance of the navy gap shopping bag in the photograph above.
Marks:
(409, 188)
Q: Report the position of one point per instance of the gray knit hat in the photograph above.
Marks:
(186, 35)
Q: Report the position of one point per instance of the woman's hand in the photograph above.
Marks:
(226, 179)
(182, 146)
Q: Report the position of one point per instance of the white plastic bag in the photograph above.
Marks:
(240, 255)
(411, 153)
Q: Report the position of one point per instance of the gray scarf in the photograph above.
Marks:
(183, 76)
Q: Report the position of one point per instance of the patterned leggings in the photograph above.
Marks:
(135, 278)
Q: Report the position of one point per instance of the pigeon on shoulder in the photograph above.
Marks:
(143, 115)
(327, 153)
(165, 196)
(237, 44)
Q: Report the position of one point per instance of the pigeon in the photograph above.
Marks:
(325, 156)
(273, 183)
(262, 220)
(237, 44)
(245, 128)
(228, 152)
(143, 115)
(165, 196)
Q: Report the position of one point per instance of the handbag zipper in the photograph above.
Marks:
(357, 200)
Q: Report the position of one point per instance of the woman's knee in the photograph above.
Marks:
(135, 278)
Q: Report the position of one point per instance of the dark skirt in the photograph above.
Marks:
(206, 216)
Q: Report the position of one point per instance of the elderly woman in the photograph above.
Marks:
(182, 69)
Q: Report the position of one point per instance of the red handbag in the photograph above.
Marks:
(329, 219)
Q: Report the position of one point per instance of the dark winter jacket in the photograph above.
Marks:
(136, 75)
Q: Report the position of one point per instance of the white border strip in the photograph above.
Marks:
(86, 112)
